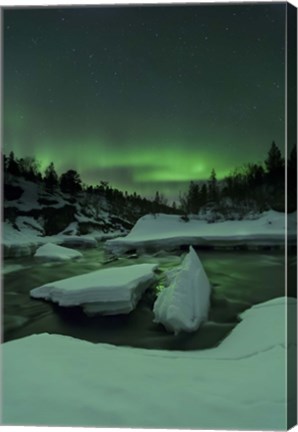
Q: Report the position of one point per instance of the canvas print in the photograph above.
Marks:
(149, 216)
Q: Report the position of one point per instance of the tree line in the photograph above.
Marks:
(130, 205)
(254, 186)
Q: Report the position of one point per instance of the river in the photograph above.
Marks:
(239, 279)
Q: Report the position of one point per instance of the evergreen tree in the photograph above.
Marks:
(255, 175)
(193, 198)
(275, 178)
(4, 162)
(292, 164)
(31, 169)
(13, 165)
(51, 178)
(275, 164)
(156, 199)
(213, 192)
(203, 195)
(70, 182)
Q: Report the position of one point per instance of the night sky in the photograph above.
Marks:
(146, 98)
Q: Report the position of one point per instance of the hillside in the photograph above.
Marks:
(31, 214)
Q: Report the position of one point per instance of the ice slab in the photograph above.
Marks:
(53, 252)
(108, 291)
(184, 304)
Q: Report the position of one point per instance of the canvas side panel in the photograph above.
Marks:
(291, 56)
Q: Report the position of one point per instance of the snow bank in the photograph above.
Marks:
(56, 380)
(19, 243)
(25, 241)
(108, 291)
(169, 231)
(53, 252)
(184, 304)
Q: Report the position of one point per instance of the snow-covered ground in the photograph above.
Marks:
(25, 240)
(57, 380)
(170, 231)
(184, 304)
(109, 291)
(153, 233)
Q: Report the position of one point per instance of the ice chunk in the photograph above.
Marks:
(184, 304)
(53, 252)
(108, 291)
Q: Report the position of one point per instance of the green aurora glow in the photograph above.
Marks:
(146, 98)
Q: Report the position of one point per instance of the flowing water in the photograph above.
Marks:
(239, 280)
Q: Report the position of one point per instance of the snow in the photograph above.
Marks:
(184, 304)
(19, 243)
(169, 231)
(107, 291)
(25, 242)
(57, 380)
(50, 251)
(71, 229)
(29, 223)
(29, 198)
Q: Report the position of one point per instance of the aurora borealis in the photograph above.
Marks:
(145, 97)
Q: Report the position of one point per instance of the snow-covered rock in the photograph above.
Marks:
(184, 304)
(170, 231)
(241, 384)
(19, 243)
(23, 242)
(53, 252)
(109, 291)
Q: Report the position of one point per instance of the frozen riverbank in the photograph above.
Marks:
(170, 231)
(26, 240)
(108, 386)
(160, 232)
